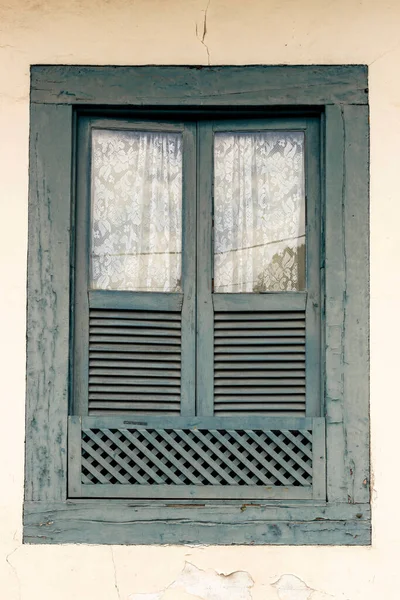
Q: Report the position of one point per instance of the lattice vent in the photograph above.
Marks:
(134, 362)
(197, 457)
(259, 363)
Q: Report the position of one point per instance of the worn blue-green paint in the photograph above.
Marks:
(48, 310)
(193, 522)
(80, 298)
(341, 94)
(142, 301)
(188, 344)
(347, 303)
(240, 439)
(264, 302)
(228, 86)
(313, 273)
(205, 313)
(208, 422)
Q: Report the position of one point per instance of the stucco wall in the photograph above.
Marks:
(171, 32)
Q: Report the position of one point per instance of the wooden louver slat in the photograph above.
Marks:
(259, 363)
(134, 362)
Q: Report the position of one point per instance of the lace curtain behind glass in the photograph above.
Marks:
(136, 210)
(259, 212)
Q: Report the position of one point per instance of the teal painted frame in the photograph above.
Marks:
(340, 95)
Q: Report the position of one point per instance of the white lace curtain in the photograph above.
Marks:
(259, 212)
(136, 232)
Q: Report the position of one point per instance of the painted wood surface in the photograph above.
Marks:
(48, 302)
(356, 315)
(51, 519)
(189, 216)
(314, 353)
(80, 299)
(252, 462)
(205, 312)
(171, 422)
(319, 459)
(194, 522)
(347, 332)
(257, 85)
(74, 457)
(269, 301)
(176, 492)
(135, 300)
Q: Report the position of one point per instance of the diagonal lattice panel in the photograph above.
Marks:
(201, 457)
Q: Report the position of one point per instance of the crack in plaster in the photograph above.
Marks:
(383, 54)
(14, 570)
(115, 574)
(201, 37)
(151, 596)
(207, 585)
(291, 587)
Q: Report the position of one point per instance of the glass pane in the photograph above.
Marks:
(259, 212)
(136, 237)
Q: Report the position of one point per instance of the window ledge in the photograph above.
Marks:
(189, 522)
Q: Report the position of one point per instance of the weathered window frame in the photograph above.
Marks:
(340, 93)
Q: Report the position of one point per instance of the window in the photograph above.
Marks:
(197, 313)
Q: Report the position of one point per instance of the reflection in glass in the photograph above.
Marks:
(136, 223)
(259, 211)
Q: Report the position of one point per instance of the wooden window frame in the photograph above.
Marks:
(210, 302)
(340, 95)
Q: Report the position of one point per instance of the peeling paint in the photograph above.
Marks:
(290, 587)
(207, 585)
(211, 585)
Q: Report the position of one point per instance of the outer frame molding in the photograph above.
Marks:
(255, 85)
(341, 93)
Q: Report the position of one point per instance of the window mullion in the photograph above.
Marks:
(313, 275)
(188, 344)
(205, 316)
(81, 273)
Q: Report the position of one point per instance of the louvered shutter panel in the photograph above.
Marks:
(259, 357)
(135, 360)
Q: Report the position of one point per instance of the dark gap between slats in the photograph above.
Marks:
(134, 362)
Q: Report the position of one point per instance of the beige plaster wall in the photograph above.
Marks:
(237, 32)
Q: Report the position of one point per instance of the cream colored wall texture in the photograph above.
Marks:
(202, 32)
